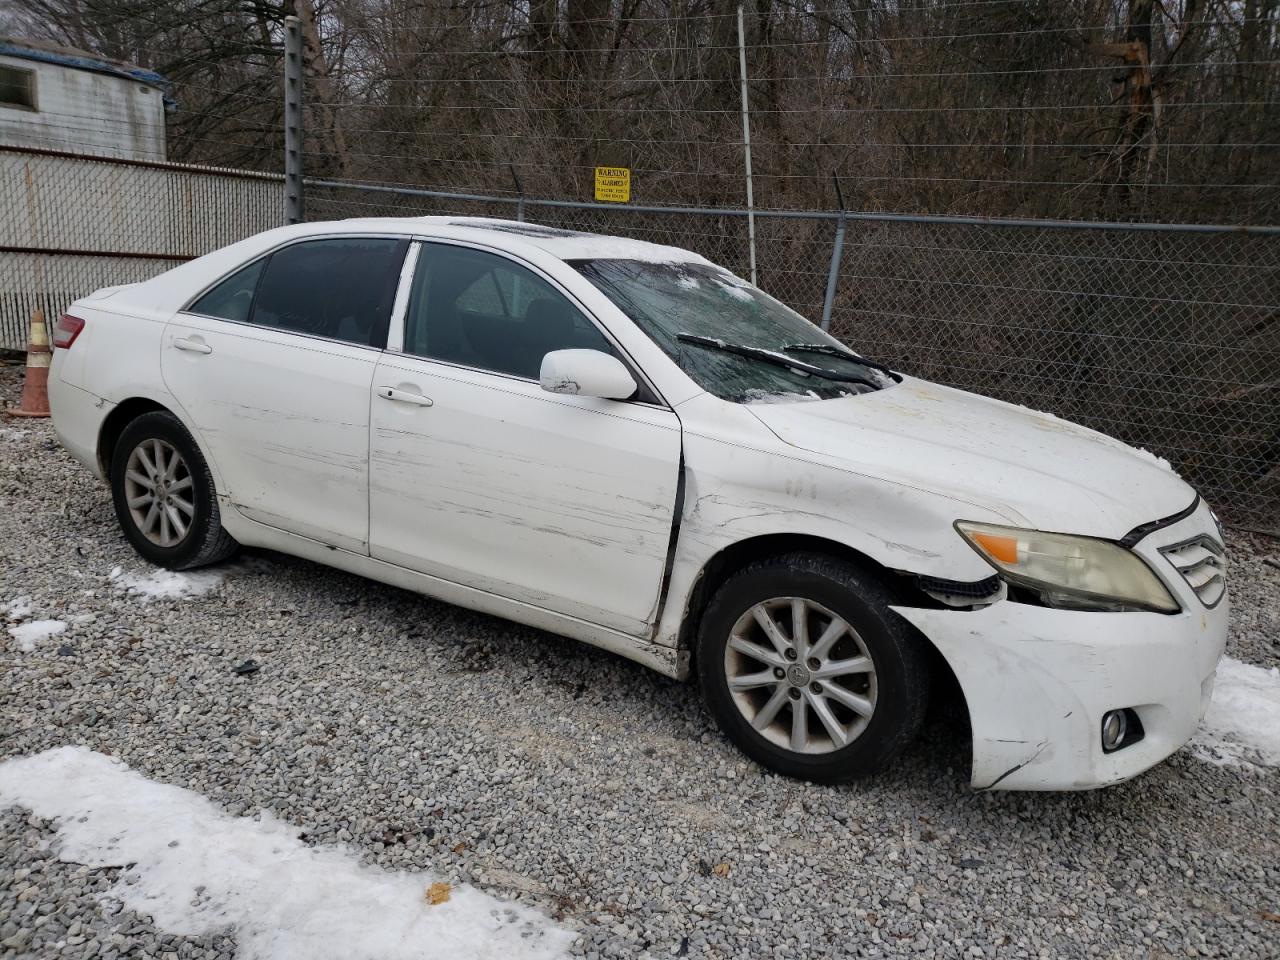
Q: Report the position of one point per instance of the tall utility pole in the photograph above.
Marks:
(292, 120)
(746, 141)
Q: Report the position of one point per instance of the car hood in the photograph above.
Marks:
(1031, 468)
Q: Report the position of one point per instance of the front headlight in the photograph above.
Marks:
(1079, 573)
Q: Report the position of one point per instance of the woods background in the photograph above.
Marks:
(1128, 109)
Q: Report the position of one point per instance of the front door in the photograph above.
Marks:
(274, 366)
(480, 477)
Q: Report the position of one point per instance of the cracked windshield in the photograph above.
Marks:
(736, 341)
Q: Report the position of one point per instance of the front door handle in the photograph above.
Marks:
(194, 346)
(403, 396)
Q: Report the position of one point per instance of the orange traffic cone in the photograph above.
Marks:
(35, 388)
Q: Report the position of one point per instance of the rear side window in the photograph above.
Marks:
(232, 299)
(342, 289)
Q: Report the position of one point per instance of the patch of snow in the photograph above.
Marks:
(755, 396)
(30, 634)
(688, 282)
(737, 292)
(19, 608)
(168, 584)
(601, 247)
(9, 433)
(1242, 724)
(1043, 414)
(1148, 455)
(195, 870)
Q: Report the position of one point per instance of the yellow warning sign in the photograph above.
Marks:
(613, 184)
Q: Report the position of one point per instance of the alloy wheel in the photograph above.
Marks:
(800, 675)
(159, 492)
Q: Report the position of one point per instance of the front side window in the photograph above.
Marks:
(482, 310)
(733, 339)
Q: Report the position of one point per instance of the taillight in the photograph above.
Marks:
(66, 330)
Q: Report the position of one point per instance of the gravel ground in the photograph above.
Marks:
(427, 737)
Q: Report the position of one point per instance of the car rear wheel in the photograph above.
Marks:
(164, 496)
(808, 671)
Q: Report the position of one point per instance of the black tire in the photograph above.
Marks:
(861, 599)
(205, 541)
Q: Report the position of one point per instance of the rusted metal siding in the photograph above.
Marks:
(72, 224)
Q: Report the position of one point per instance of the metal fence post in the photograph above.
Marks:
(292, 120)
(515, 177)
(837, 249)
(746, 143)
(833, 272)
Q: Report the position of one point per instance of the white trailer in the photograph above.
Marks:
(58, 98)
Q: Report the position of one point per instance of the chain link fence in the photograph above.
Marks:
(73, 224)
(1166, 337)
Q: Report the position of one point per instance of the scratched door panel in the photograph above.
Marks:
(285, 418)
(563, 502)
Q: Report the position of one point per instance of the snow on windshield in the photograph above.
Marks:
(759, 396)
(667, 300)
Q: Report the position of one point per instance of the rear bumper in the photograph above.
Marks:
(77, 419)
(1038, 681)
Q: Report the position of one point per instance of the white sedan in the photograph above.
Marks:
(625, 444)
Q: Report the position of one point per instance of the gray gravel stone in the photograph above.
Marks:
(427, 737)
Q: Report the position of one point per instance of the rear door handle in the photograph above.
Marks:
(194, 346)
(403, 396)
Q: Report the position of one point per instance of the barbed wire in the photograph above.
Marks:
(824, 41)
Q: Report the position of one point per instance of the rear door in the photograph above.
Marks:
(480, 477)
(274, 366)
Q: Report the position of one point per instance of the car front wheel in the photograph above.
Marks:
(164, 496)
(808, 671)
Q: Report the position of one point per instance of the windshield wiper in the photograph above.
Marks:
(831, 350)
(775, 358)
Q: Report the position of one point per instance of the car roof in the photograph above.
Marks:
(512, 234)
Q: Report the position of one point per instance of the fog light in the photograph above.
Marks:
(1115, 724)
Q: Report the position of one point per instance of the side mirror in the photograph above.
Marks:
(586, 373)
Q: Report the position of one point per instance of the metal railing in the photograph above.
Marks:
(1166, 336)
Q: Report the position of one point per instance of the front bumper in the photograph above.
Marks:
(1037, 681)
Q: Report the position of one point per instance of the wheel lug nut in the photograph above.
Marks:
(815, 687)
(794, 693)
(779, 672)
(814, 663)
(791, 654)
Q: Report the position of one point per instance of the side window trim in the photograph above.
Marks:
(382, 330)
(253, 303)
(400, 309)
(648, 393)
